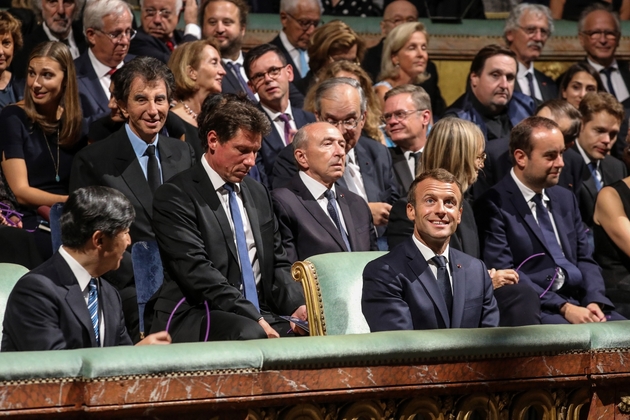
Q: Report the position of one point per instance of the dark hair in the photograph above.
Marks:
(241, 5)
(257, 52)
(91, 209)
(439, 174)
(595, 102)
(227, 113)
(560, 108)
(489, 51)
(149, 69)
(521, 135)
(578, 68)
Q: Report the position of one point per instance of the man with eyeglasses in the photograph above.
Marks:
(526, 31)
(270, 77)
(108, 29)
(299, 20)
(157, 37)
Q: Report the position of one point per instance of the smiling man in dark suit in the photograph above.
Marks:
(270, 77)
(219, 239)
(423, 283)
(315, 215)
(63, 303)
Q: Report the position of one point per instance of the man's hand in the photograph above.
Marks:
(271, 333)
(301, 314)
(502, 278)
(578, 315)
(160, 338)
(190, 11)
(380, 213)
(597, 311)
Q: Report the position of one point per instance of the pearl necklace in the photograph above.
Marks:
(189, 111)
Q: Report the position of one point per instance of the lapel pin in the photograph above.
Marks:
(459, 266)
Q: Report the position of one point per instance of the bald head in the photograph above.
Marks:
(320, 152)
(397, 13)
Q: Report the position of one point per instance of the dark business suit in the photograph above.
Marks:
(509, 234)
(201, 260)
(297, 76)
(401, 293)
(93, 98)
(400, 165)
(144, 44)
(547, 86)
(273, 143)
(46, 311)
(307, 230)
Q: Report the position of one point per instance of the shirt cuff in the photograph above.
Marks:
(193, 29)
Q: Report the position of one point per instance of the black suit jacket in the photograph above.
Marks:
(112, 163)
(404, 177)
(547, 86)
(46, 311)
(297, 76)
(307, 230)
(200, 257)
(145, 44)
(273, 143)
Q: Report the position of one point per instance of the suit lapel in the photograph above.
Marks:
(231, 80)
(167, 161)
(273, 140)
(252, 215)
(88, 78)
(129, 168)
(401, 167)
(519, 203)
(561, 227)
(458, 275)
(112, 321)
(367, 170)
(347, 218)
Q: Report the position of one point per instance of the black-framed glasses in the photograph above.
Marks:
(305, 24)
(400, 20)
(164, 13)
(598, 34)
(117, 37)
(273, 72)
(349, 124)
(533, 30)
(398, 115)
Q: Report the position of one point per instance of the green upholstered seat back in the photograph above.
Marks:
(340, 277)
(9, 275)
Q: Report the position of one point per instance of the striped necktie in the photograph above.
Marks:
(93, 308)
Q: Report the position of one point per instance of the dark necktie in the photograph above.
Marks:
(416, 163)
(65, 41)
(530, 82)
(93, 308)
(592, 166)
(607, 72)
(549, 235)
(443, 281)
(247, 272)
(154, 177)
(332, 210)
(236, 69)
(287, 128)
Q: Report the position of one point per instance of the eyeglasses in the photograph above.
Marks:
(533, 30)
(399, 21)
(349, 124)
(117, 37)
(273, 72)
(399, 115)
(305, 24)
(163, 13)
(594, 35)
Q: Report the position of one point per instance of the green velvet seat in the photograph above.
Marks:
(333, 284)
(9, 275)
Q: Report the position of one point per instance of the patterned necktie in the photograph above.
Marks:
(592, 166)
(417, 156)
(247, 272)
(443, 281)
(332, 210)
(93, 308)
(530, 82)
(608, 72)
(304, 67)
(236, 69)
(287, 128)
(153, 169)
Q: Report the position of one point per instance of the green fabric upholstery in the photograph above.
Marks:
(9, 275)
(340, 277)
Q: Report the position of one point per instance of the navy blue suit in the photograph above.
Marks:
(297, 76)
(509, 234)
(547, 86)
(145, 44)
(401, 293)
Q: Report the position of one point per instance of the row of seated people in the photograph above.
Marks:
(142, 92)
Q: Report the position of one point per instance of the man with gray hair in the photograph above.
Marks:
(299, 20)
(107, 25)
(157, 37)
(59, 22)
(526, 31)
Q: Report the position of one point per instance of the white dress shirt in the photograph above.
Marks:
(428, 253)
(617, 81)
(74, 50)
(353, 177)
(277, 122)
(317, 190)
(101, 71)
(521, 78)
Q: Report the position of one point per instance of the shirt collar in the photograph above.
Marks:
(100, 69)
(287, 44)
(81, 274)
(52, 37)
(427, 252)
(215, 178)
(599, 67)
(274, 115)
(139, 145)
(587, 159)
(316, 188)
(240, 60)
(522, 70)
(527, 192)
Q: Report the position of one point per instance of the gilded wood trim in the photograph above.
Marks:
(305, 273)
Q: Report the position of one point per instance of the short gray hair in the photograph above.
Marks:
(329, 84)
(512, 22)
(291, 5)
(178, 6)
(78, 8)
(594, 7)
(96, 10)
(419, 96)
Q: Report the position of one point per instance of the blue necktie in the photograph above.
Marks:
(93, 308)
(530, 82)
(544, 221)
(592, 166)
(247, 273)
(443, 281)
(608, 71)
(304, 68)
(332, 210)
(236, 69)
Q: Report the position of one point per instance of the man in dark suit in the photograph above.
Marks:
(270, 76)
(526, 31)
(60, 21)
(315, 215)
(108, 30)
(157, 37)
(528, 222)
(299, 20)
(63, 303)
(407, 115)
(423, 283)
(219, 239)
